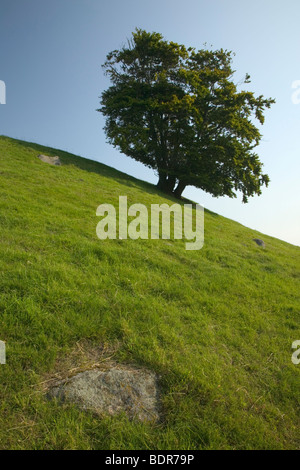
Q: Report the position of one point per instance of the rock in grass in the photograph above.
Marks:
(113, 391)
(259, 242)
(51, 160)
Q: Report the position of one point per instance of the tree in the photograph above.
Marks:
(178, 111)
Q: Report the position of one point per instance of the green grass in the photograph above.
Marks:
(217, 324)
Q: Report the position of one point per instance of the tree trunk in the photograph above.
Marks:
(162, 181)
(171, 183)
(166, 183)
(179, 189)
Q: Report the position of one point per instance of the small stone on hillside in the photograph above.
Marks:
(259, 242)
(51, 160)
(112, 391)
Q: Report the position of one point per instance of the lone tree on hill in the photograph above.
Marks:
(178, 111)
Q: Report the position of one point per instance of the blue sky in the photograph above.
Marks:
(50, 60)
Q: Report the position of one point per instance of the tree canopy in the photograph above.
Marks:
(178, 111)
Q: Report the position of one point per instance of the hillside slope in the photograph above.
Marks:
(217, 324)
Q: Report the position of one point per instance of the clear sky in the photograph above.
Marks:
(50, 60)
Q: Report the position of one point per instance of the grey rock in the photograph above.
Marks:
(259, 242)
(118, 389)
(51, 160)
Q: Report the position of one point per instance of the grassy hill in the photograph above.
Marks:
(216, 324)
